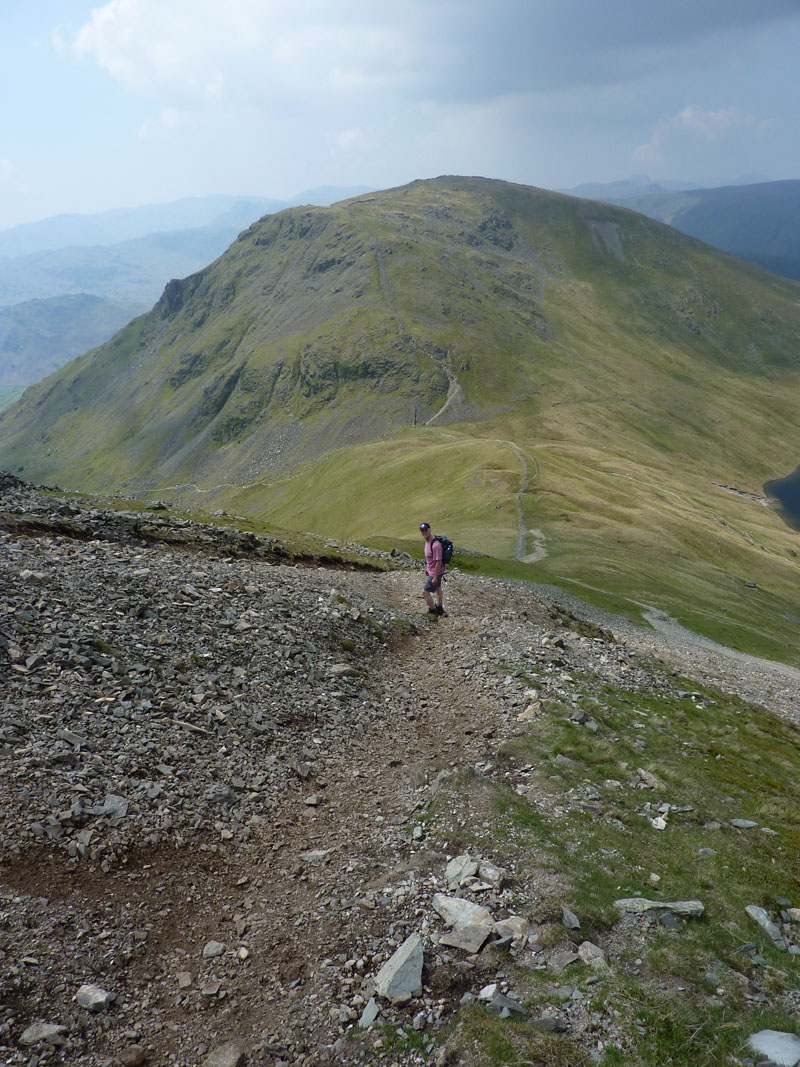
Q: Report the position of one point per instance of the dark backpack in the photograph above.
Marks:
(447, 547)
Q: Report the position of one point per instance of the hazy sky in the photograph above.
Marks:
(137, 101)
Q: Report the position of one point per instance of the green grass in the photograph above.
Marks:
(718, 757)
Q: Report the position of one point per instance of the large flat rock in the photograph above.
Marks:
(778, 1046)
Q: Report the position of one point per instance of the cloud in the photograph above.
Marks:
(697, 123)
(251, 53)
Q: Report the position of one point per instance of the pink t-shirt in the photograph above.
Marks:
(433, 555)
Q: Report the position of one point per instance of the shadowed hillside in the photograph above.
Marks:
(758, 222)
(557, 379)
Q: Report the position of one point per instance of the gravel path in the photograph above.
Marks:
(768, 683)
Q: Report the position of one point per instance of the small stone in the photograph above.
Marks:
(229, 1055)
(495, 876)
(370, 1013)
(212, 949)
(513, 926)
(115, 806)
(41, 1032)
(458, 912)
(134, 1056)
(313, 800)
(418, 1022)
(559, 961)
(570, 919)
(402, 974)
(507, 1007)
(744, 824)
(184, 979)
(650, 779)
(488, 991)
(551, 1024)
(706, 853)
(638, 905)
(315, 855)
(794, 914)
(468, 938)
(592, 955)
(461, 868)
(763, 921)
(94, 997)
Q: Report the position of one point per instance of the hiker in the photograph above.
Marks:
(434, 570)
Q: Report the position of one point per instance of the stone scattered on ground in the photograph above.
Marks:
(638, 905)
(402, 973)
(227, 1055)
(780, 1047)
(94, 997)
(762, 920)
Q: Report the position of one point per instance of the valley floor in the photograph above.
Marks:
(233, 788)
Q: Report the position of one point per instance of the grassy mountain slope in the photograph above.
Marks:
(496, 358)
(758, 222)
(39, 336)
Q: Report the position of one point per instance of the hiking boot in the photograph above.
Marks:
(439, 610)
(433, 611)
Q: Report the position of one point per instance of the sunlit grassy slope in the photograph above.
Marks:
(599, 363)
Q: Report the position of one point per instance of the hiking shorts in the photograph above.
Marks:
(432, 584)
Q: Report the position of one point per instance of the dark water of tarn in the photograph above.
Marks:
(787, 492)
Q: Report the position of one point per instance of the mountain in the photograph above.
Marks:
(39, 336)
(760, 222)
(37, 276)
(132, 271)
(625, 188)
(126, 224)
(543, 377)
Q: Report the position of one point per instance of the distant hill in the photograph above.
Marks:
(126, 224)
(122, 257)
(543, 377)
(131, 271)
(39, 336)
(625, 188)
(760, 223)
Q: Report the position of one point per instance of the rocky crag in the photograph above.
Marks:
(261, 810)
